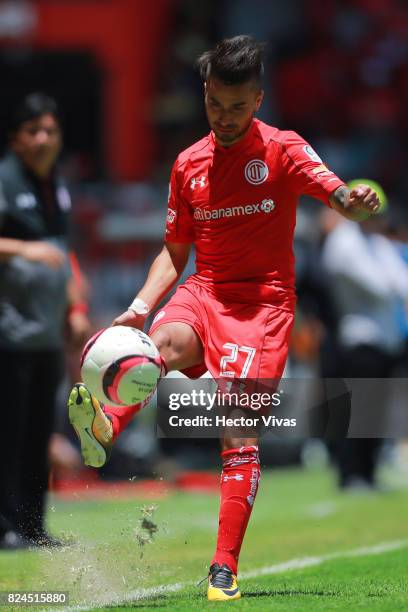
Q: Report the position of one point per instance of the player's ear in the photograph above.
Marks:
(258, 100)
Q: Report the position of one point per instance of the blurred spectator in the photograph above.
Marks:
(359, 49)
(38, 302)
(369, 280)
(179, 110)
(397, 231)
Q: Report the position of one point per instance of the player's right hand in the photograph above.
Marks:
(43, 252)
(130, 319)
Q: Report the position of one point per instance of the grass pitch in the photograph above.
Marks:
(307, 547)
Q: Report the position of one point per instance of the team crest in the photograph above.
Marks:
(256, 172)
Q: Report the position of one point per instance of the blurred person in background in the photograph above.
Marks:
(397, 232)
(38, 306)
(233, 195)
(369, 283)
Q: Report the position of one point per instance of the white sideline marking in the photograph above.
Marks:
(292, 564)
(322, 509)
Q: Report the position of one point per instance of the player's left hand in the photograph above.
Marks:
(364, 198)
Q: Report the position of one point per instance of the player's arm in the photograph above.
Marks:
(164, 272)
(356, 204)
(307, 174)
(170, 263)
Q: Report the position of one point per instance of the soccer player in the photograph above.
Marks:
(233, 195)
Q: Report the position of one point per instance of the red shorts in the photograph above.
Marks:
(239, 340)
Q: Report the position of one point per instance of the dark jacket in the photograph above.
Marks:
(33, 296)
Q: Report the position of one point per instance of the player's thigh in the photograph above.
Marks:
(248, 342)
(179, 345)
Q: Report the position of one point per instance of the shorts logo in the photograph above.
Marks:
(310, 152)
(256, 172)
(171, 215)
(159, 316)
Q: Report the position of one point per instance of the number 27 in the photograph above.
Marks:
(233, 356)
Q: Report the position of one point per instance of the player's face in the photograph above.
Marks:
(230, 108)
(38, 142)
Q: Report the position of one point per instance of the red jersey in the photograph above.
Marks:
(238, 206)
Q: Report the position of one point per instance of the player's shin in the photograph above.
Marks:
(239, 485)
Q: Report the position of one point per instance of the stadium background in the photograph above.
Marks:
(123, 74)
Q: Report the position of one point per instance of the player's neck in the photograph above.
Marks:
(240, 138)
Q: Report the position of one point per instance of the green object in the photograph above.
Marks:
(298, 514)
(377, 188)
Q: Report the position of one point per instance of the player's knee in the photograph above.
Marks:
(162, 339)
(168, 345)
(230, 442)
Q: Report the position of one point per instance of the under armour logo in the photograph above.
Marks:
(199, 181)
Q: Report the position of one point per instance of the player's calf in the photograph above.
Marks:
(239, 486)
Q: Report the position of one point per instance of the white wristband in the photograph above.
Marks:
(139, 307)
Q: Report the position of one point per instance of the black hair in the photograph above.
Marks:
(34, 105)
(233, 61)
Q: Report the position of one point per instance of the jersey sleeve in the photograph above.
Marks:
(305, 171)
(180, 223)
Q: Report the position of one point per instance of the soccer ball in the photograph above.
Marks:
(120, 366)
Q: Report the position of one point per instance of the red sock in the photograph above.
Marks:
(121, 417)
(239, 485)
